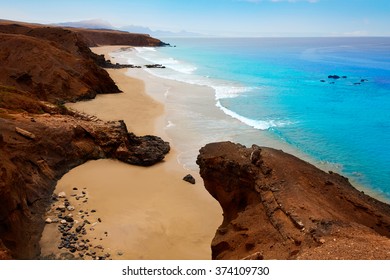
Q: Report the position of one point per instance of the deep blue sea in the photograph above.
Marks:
(282, 86)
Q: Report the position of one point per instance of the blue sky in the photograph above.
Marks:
(218, 17)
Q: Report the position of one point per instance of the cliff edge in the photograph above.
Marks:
(40, 140)
(277, 206)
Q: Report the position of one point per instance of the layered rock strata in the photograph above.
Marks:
(277, 206)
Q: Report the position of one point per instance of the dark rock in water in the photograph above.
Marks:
(357, 84)
(344, 77)
(189, 178)
(154, 66)
(322, 81)
(363, 80)
(336, 77)
(276, 206)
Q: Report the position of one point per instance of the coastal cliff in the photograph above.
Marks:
(40, 139)
(277, 206)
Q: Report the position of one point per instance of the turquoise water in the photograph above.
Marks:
(281, 85)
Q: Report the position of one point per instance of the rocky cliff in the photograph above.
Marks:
(277, 206)
(115, 37)
(40, 140)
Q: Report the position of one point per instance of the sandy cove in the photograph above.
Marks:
(135, 212)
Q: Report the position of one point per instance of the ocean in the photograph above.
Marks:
(327, 99)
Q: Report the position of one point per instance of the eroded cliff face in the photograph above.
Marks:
(277, 206)
(37, 150)
(53, 64)
(40, 140)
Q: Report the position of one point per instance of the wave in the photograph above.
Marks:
(151, 55)
(184, 72)
(230, 91)
(257, 124)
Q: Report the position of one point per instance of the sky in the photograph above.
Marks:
(217, 17)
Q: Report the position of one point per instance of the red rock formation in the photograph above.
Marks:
(40, 140)
(277, 206)
(52, 63)
(37, 150)
(115, 37)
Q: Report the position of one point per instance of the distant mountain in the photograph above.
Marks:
(159, 33)
(90, 24)
(102, 24)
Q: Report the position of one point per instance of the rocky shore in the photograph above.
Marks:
(276, 206)
(40, 139)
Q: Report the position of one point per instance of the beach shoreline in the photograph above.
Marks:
(139, 213)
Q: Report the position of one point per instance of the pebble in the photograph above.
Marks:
(70, 208)
(62, 195)
(75, 189)
(63, 222)
(48, 221)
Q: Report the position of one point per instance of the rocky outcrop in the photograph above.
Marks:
(52, 64)
(40, 139)
(277, 206)
(30, 167)
(116, 37)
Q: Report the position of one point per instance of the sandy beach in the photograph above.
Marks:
(136, 212)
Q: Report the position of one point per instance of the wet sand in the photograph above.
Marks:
(145, 213)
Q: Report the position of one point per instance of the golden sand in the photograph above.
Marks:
(145, 213)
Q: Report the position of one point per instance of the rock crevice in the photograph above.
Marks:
(277, 206)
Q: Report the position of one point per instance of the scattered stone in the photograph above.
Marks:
(62, 195)
(75, 189)
(99, 220)
(188, 178)
(70, 208)
(48, 221)
(79, 228)
(69, 219)
(63, 222)
(335, 77)
(119, 253)
(93, 211)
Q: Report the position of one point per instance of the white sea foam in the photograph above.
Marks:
(183, 72)
(170, 124)
(224, 91)
(257, 124)
(151, 55)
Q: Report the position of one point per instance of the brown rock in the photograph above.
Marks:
(283, 207)
(41, 68)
